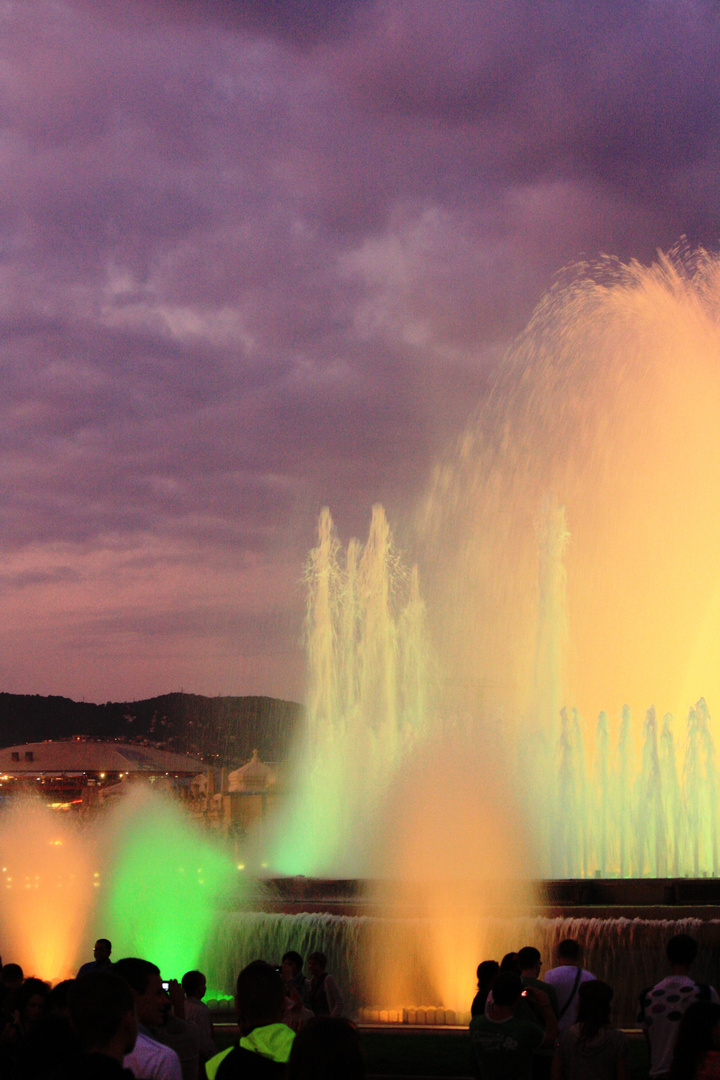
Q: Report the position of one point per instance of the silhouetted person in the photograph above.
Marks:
(509, 962)
(177, 1033)
(297, 991)
(11, 979)
(102, 961)
(51, 1041)
(566, 978)
(194, 984)
(504, 1044)
(30, 1002)
(487, 972)
(662, 1006)
(291, 970)
(264, 1043)
(530, 962)
(12, 976)
(697, 1049)
(57, 1000)
(324, 997)
(102, 1008)
(8, 1043)
(591, 1049)
(327, 1048)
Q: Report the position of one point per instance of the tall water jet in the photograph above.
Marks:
(368, 671)
(607, 407)
(392, 786)
(574, 534)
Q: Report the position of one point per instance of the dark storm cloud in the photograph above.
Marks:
(257, 257)
(626, 96)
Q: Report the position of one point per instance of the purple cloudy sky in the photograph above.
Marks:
(261, 256)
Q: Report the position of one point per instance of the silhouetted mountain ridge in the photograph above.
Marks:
(219, 729)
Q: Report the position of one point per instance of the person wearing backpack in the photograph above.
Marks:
(566, 979)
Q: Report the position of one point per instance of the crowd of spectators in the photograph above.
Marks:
(119, 1020)
(559, 1027)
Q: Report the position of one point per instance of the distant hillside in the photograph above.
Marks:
(220, 729)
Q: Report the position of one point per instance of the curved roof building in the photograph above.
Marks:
(87, 758)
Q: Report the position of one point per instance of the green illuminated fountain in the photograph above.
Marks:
(167, 883)
(142, 874)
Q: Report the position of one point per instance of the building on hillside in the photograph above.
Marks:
(83, 773)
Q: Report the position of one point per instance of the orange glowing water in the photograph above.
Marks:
(607, 409)
(450, 864)
(47, 884)
(140, 874)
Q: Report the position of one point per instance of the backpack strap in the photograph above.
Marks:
(573, 992)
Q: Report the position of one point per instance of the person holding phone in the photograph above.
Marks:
(150, 1059)
(504, 1044)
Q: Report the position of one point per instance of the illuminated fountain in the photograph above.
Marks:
(456, 743)
(168, 884)
(569, 565)
(368, 669)
(583, 508)
(46, 889)
(141, 873)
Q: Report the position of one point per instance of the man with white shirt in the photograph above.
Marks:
(663, 1006)
(566, 979)
(150, 1059)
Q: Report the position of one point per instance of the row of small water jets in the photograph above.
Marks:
(620, 817)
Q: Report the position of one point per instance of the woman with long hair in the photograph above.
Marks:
(591, 1049)
(486, 973)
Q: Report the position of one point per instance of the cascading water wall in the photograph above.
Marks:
(628, 954)
(368, 677)
(571, 561)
